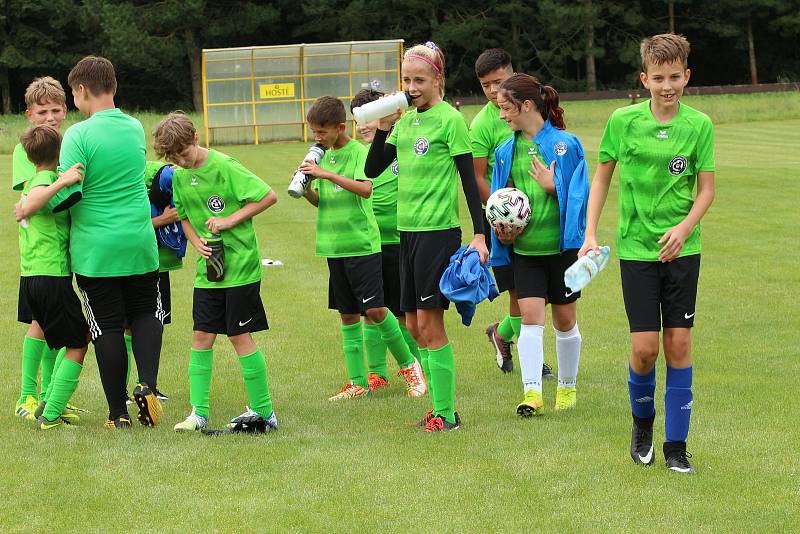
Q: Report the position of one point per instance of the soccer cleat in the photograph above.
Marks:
(376, 382)
(350, 391)
(69, 415)
(677, 458)
(440, 424)
(250, 422)
(128, 401)
(149, 405)
(547, 372)
(44, 424)
(40, 409)
(160, 396)
(427, 417)
(642, 441)
(565, 398)
(531, 405)
(192, 423)
(502, 349)
(74, 409)
(26, 408)
(416, 385)
(123, 421)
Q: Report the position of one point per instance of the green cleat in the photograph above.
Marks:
(531, 405)
(192, 423)
(43, 424)
(565, 398)
(26, 408)
(69, 416)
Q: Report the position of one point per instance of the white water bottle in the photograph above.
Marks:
(580, 273)
(299, 180)
(23, 222)
(383, 107)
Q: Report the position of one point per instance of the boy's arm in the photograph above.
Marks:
(480, 165)
(362, 188)
(248, 211)
(197, 242)
(40, 195)
(597, 199)
(675, 237)
(312, 195)
(169, 216)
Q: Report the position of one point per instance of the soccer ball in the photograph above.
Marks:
(509, 206)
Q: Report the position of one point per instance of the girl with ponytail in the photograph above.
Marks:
(547, 163)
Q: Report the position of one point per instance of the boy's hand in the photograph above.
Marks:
(673, 242)
(218, 224)
(73, 175)
(589, 243)
(506, 233)
(18, 214)
(544, 175)
(479, 243)
(169, 216)
(202, 248)
(312, 169)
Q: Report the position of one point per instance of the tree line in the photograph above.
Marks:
(579, 45)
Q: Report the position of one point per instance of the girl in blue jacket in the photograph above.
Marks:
(548, 165)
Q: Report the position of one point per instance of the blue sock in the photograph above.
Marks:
(641, 389)
(678, 403)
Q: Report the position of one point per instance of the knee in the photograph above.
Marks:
(677, 348)
(644, 354)
(376, 315)
(202, 340)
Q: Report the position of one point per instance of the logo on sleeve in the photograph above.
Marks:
(395, 168)
(560, 148)
(677, 165)
(421, 146)
(215, 203)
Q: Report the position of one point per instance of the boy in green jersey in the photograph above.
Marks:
(348, 236)
(46, 279)
(384, 205)
(664, 149)
(217, 197)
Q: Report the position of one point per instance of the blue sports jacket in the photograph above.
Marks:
(466, 282)
(571, 177)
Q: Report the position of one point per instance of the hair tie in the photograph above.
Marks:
(541, 91)
(431, 45)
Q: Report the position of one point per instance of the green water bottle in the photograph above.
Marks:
(215, 265)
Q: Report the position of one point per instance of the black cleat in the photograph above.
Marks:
(547, 372)
(160, 396)
(149, 406)
(677, 458)
(249, 422)
(642, 441)
(123, 421)
(502, 349)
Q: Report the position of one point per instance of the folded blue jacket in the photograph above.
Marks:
(571, 178)
(466, 282)
(170, 236)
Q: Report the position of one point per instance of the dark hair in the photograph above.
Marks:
(326, 111)
(364, 96)
(42, 144)
(96, 74)
(491, 60)
(521, 87)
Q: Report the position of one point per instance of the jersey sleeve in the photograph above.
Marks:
(479, 136)
(361, 161)
(246, 186)
(21, 168)
(392, 139)
(457, 135)
(705, 147)
(72, 152)
(609, 144)
(177, 178)
(43, 180)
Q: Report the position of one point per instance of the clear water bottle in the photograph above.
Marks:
(299, 180)
(215, 265)
(580, 273)
(383, 107)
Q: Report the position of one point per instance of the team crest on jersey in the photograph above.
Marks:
(677, 165)
(560, 148)
(215, 203)
(395, 168)
(421, 146)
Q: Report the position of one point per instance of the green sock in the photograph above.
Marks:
(353, 346)
(516, 324)
(59, 360)
(62, 387)
(423, 361)
(443, 376)
(200, 363)
(410, 341)
(31, 358)
(256, 382)
(393, 337)
(506, 329)
(48, 363)
(376, 351)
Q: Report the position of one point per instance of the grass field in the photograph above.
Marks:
(353, 466)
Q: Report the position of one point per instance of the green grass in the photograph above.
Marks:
(353, 465)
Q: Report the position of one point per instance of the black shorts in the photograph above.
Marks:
(166, 296)
(660, 294)
(543, 276)
(229, 310)
(424, 256)
(24, 314)
(390, 266)
(503, 274)
(355, 283)
(55, 306)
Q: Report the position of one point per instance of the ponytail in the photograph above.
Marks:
(551, 110)
(521, 87)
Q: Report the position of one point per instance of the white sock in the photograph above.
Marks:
(531, 356)
(568, 351)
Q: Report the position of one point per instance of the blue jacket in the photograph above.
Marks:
(170, 236)
(571, 179)
(466, 282)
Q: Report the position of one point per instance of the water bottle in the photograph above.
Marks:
(215, 265)
(383, 107)
(580, 273)
(24, 222)
(299, 180)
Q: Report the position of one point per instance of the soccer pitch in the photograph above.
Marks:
(352, 465)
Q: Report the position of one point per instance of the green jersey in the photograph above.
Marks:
(167, 259)
(43, 245)
(346, 224)
(21, 168)
(220, 187)
(111, 232)
(487, 131)
(384, 204)
(658, 166)
(542, 236)
(427, 142)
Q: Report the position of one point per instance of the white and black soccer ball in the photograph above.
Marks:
(509, 206)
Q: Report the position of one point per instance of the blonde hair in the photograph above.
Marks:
(42, 144)
(664, 48)
(43, 90)
(430, 54)
(173, 135)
